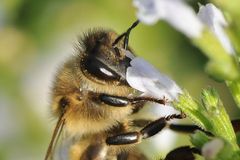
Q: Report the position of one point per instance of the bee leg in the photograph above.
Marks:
(162, 101)
(114, 101)
(183, 153)
(150, 130)
(236, 125)
(117, 101)
(185, 128)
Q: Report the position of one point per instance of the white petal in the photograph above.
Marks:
(148, 19)
(181, 16)
(214, 19)
(145, 78)
(147, 11)
(212, 148)
(175, 12)
(224, 40)
(211, 15)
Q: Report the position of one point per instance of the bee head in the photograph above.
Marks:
(101, 60)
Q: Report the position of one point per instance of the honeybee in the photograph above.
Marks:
(94, 103)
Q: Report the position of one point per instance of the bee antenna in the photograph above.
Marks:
(126, 35)
(56, 133)
(126, 38)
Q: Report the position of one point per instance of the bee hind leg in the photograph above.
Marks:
(186, 128)
(148, 131)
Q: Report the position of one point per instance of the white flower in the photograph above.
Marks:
(212, 148)
(144, 77)
(175, 12)
(214, 19)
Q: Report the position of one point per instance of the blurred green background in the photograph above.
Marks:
(36, 37)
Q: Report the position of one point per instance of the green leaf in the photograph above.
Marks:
(210, 115)
(234, 87)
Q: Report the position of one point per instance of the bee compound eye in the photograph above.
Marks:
(98, 69)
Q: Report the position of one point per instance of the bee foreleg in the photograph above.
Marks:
(117, 101)
(150, 130)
